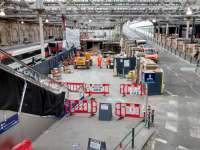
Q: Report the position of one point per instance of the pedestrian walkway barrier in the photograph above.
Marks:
(132, 89)
(75, 87)
(89, 89)
(103, 89)
(81, 106)
(25, 145)
(132, 110)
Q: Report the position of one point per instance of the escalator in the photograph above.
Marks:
(33, 100)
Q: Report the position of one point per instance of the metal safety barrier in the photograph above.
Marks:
(132, 89)
(103, 89)
(132, 110)
(81, 106)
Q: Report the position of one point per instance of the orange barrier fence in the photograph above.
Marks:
(81, 106)
(128, 110)
(25, 145)
(132, 89)
(103, 89)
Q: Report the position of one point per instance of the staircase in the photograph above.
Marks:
(29, 74)
(30, 125)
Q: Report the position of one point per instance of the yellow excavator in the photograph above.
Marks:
(84, 60)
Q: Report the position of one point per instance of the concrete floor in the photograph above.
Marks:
(76, 129)
(177, 111)
(177, 117)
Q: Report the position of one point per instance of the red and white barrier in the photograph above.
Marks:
(103, 89)
(128, 110)
(25, 145)
(75, 86)
(81, 106)
(132, 89)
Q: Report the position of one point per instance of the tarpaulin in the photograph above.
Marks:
(37, 100)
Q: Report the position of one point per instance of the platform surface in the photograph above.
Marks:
(75, 130)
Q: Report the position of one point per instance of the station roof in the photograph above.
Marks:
(102, 13)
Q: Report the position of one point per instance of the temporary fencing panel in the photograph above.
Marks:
(97, 89)
(132, 89)
(25, 145)
(74, 86)
(81, 106)
(128, 110)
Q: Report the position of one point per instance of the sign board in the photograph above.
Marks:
(96, 88)
(126, 63)
(105, 111)
(135, 90)
(149, 77)
(94, 144)
(104, 107)
(8, 123)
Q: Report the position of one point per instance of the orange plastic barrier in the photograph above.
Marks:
(25, 145)
(81, 106)
(128, 110)
(132, 89)
(103, 89)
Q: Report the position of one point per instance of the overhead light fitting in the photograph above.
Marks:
(2, 13)
(46, 20)
(90, 21)
(189, 11)
(22, 22)
(154, 20)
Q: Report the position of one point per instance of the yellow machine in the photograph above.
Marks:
(88, 57)
(81, 62)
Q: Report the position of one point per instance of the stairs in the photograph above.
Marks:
(29, 74)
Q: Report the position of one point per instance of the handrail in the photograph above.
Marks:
(35, 75)
(128, 134)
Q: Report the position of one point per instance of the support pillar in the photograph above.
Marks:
(187, 29)
(41, 35)
(193, 30)
(167, 29)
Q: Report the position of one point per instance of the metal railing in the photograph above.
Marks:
(175, 51)
(129, 138)
(29, 74)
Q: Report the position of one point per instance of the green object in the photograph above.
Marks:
(43, 59)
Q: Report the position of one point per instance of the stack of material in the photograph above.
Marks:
(156, 35)
(147, 65)
(160, 37)
(169, 41)
(126, 45)
(191, 49)
(181, 44)
(164, 37)
(174, 43)
(132, 51)
(128, 49)
(56, 73)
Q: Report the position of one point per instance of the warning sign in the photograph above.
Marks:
(135, 90)
(96, 88)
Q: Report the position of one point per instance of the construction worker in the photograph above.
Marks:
(99, 61)
(108, 62)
